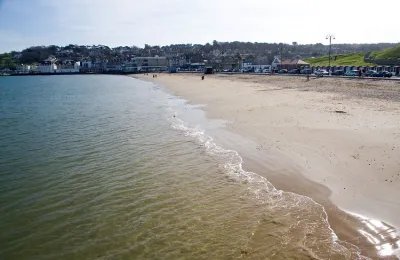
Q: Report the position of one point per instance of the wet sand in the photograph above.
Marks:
(334, 140)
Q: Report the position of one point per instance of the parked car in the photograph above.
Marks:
(321, 73)
(293, 71)
(266, 71)
(387, 74)
(370, 73)
(352, 73)
(282, 71)
(338, 73)
(382, 74)
(305, 71)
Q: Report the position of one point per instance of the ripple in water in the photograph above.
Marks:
(290, 224)
(90, 168)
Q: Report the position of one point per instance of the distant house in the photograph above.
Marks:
(68, 66)
(86, 64)
(178, 61)
(294, 63)
(146, 64)
(23, 69)
(48, 65)
(255, 64)
(276, 63)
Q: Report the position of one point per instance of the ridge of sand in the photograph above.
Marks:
(342, 134)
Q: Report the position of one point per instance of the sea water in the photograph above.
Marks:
(111, 167)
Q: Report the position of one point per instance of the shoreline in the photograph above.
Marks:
(279, 148)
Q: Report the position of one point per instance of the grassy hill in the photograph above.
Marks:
(391, 53)
(356, 59)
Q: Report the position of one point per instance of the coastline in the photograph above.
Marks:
(296, 133)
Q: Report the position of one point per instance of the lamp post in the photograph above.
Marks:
(330, 37)
(281, 47)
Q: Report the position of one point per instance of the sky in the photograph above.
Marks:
(25, 23)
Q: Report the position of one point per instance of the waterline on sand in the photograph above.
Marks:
(304, 213)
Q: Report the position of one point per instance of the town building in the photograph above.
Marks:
(295, 63)
(276, 63)
(48, 65)
(23, 69)
(68, 66)
(86, 64)
(146, 64)
(178, 61)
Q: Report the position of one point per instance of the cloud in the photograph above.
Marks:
(127, 22)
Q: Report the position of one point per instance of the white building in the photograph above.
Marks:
(276, 62)
(146, 64)
(86, 64)
(48, 65)
(23, 69)
(68, 66)
(177, 61)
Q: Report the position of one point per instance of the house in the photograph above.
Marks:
(255, 64)
(295, 63)
(146, 64)
(178, 61)
(86, 64)
(276, 62)
(231, 62)
(23, 69)
(68, 66)
(48, 65)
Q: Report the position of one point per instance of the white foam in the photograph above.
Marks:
(377, 235)
(258, 185)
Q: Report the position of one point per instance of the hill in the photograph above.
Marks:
(388, 54)
(355, 59)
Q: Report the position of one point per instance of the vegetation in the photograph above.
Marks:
(7, 61)
(388, 54)
(225, 52)
(356, 59)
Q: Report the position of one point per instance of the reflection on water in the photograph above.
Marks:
(383, 236)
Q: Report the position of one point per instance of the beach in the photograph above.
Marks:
(336, 141)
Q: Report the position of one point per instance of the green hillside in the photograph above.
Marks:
(356, 59)
(388, 54)
(6, 61)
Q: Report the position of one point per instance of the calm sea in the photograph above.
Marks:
(111, 167)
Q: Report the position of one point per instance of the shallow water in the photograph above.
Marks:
(109, 167)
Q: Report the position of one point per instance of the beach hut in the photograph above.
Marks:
(397, 70)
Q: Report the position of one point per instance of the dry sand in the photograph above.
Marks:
(342, 135)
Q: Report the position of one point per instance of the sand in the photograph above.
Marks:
(335, 140)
